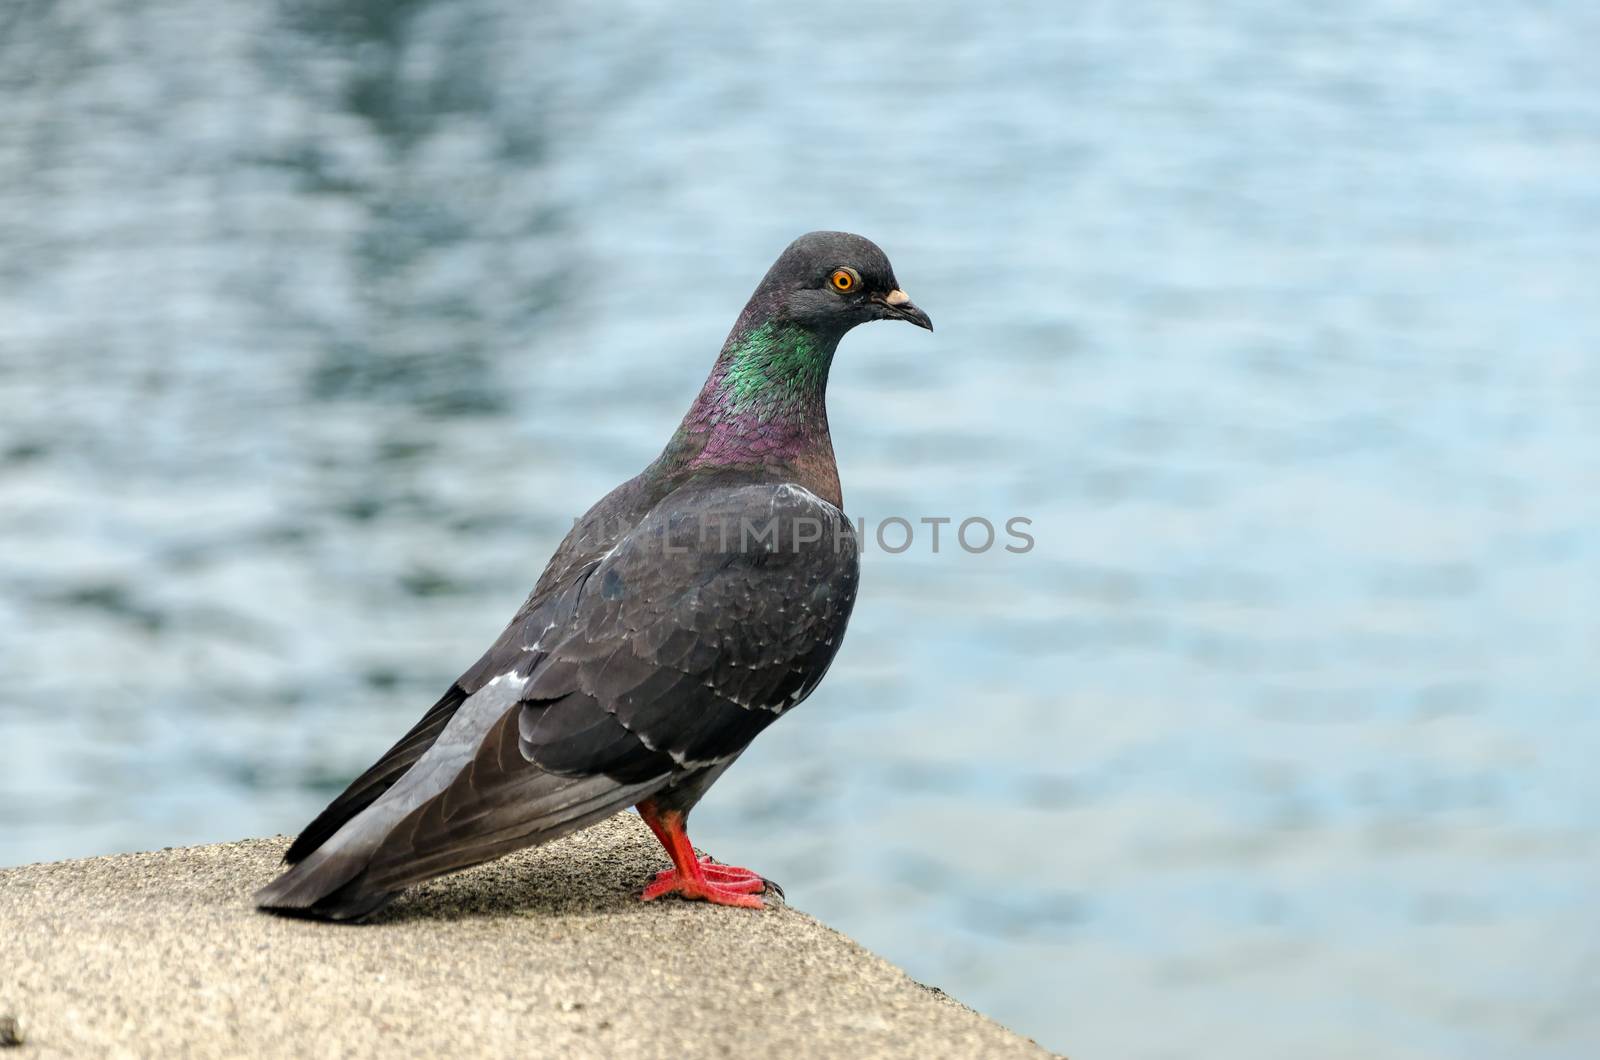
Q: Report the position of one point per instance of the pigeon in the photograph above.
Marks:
(693, 606)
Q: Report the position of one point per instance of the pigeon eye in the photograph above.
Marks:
(844, 280)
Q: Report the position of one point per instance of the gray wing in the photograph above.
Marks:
(715, 616)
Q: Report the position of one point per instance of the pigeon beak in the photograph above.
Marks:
(898, 306)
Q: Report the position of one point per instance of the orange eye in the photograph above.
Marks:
(843, 280)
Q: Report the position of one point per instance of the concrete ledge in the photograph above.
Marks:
(543, 954)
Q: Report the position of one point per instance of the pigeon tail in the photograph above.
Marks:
(324, 886)
(383, 775)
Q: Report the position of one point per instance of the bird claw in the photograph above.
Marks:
(715, 882)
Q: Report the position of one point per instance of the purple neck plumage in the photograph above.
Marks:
(764, 402)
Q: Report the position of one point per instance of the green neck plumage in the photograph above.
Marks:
(773, 367)
(764, 399)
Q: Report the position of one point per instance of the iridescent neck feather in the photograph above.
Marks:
(763, 404)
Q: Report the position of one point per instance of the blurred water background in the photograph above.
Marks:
(321, 319)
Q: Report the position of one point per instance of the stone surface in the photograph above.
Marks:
(545, 953)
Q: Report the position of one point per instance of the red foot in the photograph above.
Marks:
(693, 877)
(724, 875)
(723, 890)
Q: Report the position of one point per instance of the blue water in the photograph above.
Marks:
(319, 321)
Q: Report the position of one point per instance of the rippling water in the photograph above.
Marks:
(319, 321)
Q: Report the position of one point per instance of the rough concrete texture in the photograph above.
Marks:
(543, 954)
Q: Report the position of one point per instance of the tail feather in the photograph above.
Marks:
(469, 797)
(327, 886)
(436, 848)
(370, 786)
(352, 881)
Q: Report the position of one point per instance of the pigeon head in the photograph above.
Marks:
(765, 399)
(828, 282)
